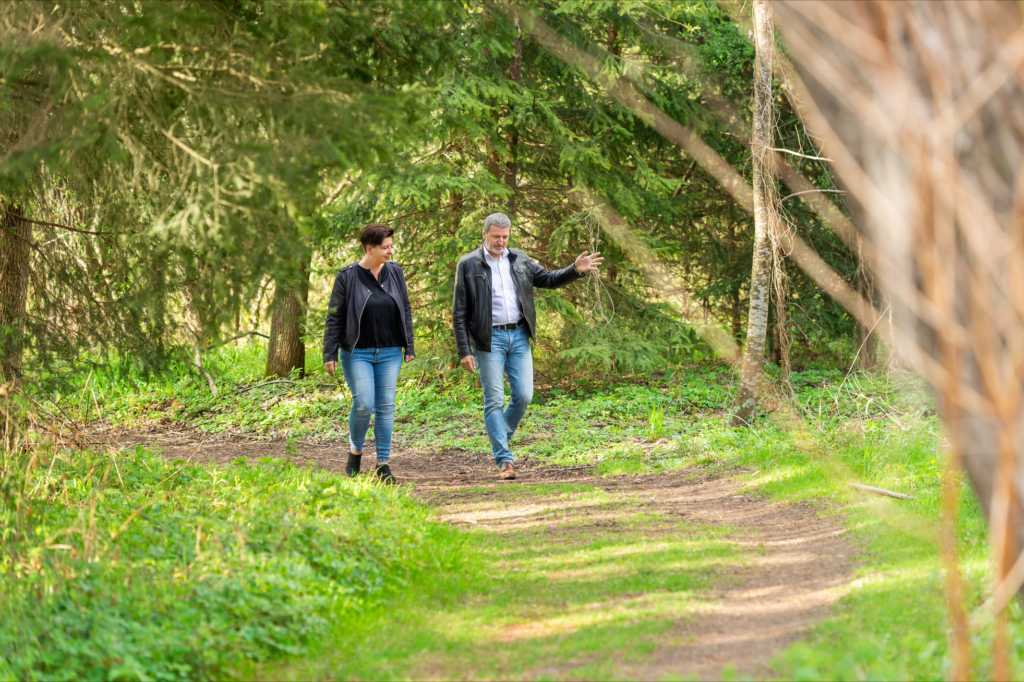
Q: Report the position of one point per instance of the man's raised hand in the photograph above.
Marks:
(585, 263)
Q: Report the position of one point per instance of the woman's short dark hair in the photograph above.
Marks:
(374, 234)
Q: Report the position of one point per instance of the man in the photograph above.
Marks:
(494, 320)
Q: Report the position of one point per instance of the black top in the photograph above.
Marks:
(380, 325)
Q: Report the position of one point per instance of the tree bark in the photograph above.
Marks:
(456, 212)
(197, 323)
(764, 217)
(512, 165)
(867, 338)
(287, 351)
(735, 320)
(15, 245)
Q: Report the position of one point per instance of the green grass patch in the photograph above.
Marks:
(132, 567)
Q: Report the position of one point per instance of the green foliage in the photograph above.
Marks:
(194, 154)
(879, 430)
(173, 154)
(132, 567)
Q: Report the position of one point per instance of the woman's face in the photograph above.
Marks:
(381, 253)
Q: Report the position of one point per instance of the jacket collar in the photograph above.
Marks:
(482, 255)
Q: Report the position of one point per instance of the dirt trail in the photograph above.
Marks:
(796, 563)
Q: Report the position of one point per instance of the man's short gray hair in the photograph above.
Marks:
(496, 220)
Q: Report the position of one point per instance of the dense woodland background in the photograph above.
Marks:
(177, 174)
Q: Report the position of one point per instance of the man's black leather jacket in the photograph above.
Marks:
(471, 308)
(346, 307)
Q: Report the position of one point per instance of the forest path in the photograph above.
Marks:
(667, 576)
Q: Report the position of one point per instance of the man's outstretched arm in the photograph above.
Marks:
(552, 279)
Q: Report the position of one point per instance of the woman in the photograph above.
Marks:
(370, 320)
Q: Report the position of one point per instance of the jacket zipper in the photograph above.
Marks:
(359, 320)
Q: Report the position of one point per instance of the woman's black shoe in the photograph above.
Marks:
(383, 472)
(352, 468)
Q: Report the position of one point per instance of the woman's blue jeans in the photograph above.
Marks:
(372, 375)
(510, 355)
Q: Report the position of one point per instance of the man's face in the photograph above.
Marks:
(496, 239)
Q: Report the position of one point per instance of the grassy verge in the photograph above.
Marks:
(131, 567)
(875, 430)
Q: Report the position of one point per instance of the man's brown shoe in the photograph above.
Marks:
(507, 473)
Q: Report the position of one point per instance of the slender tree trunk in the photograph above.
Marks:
(512, 165)
(764, 217)
(775, 346)
(735, 321)
(613, 40)
(196, 321)
(15, 245)
(867, 339)
(287, 319)
(456, 212)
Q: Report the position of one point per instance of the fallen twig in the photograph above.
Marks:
(880, 491)
(267, 383)
(235, 338)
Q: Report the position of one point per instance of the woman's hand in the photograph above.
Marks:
(331, 367)
(410, 358)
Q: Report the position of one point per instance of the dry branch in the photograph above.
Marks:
(266, 383)
(880, 491)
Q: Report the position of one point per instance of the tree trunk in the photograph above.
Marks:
(613, 40)
(456, 213)
(512, 165)
(867, 338)
(15, 245)
(765, 194)
(775, 346)
(287, 319)
(197, 323)
(735, 320)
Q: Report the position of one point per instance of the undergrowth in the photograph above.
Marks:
(876, 429)
(127, 566)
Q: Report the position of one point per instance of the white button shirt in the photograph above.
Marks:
(504, 302)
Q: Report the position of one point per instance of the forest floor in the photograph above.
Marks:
(645, 538)
(677, 575)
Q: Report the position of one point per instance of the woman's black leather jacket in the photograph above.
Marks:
(348, 298)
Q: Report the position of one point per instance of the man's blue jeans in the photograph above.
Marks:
(510, 355)
(372, 375)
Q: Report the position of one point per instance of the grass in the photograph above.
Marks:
(549, 600)
(131, 567)
(878, 430)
